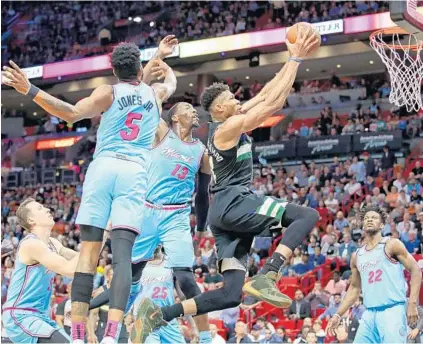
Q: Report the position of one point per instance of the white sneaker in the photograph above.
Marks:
(108, 340)
(78, 341)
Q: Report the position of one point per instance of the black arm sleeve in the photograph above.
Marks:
(202, 201)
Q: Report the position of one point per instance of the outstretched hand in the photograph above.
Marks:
(167, 45)
(14, 77)
(308, 40)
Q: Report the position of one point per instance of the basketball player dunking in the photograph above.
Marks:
(237, 214)
(378, 272)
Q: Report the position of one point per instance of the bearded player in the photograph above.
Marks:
(378, 272)
(236, 214)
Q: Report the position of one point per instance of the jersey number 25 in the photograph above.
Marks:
(133, 130)
(159, 293)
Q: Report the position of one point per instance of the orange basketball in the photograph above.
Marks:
(291, 35)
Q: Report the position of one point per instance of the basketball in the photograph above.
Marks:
(291, 35)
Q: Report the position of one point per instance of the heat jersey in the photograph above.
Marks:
(230, 167)
(171, 175)
(30, 286)
(382, 278)
(129, 125)
(157, 284)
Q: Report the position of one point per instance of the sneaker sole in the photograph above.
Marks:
(251, 291)
(137, 328)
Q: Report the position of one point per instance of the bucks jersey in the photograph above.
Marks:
(128, 127)
(30, 286)
(233, 166)
(382, 278)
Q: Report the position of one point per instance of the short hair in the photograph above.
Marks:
(211, 93)
(23, 212)
(125, 60)
(337, 294)
(377, 209)
(168, 116)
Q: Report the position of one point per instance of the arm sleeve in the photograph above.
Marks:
(61, 308)
(202, 201)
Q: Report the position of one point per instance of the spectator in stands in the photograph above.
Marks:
(405, 223)
(311, 337)
(256, 336)
(213, 277)
(415, 332)
(302, 335)
(317, 258)
(418, 170)
(341, 222)
(200, 268)
(369, 163)
(229, 317)
(216, 337)
(411, 242)
(270, 337)
(388, 159)
(331, 310)
(318, 297)
(320, 332)
(347, 248)
(241, 335)
(331, 248)
(336, 285)
(63, 312)
(332, 203)
(305, 265)
(281, 332)
(358, 309)
(300, 308)
(358, 169)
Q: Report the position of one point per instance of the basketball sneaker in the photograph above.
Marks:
(264, 288)
(149, 317)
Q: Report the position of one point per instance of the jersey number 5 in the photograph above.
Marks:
(133, 128)
(375, 276)
(159, 293)
(180, 172)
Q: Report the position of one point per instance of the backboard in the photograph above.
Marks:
(408, 14)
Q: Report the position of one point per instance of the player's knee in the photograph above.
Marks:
(91, 233)
(82, 287)
(186, 280)
(232, 296)
(311, 214)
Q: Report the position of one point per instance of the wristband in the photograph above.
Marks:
(296, 59)
(33, 91)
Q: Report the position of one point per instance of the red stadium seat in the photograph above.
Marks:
(288, 324)
(219, 323)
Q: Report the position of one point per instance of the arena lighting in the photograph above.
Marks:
(57, 143)
(254, 57)
(191, 84)
(130, 18)
(151, 24)
(307, 69)
(371, 62)
(34, 114)
(21, 104)
(138, 20)
(338, 66)
(247, 77)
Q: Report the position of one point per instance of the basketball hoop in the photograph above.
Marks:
(401, 52)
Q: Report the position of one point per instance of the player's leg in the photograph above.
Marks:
(93, 216)
(233, 270)
(391, 324)
(299, 221)
(175, 235)
(126, 220)
(367, 332)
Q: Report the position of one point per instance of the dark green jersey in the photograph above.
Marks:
(230, 167)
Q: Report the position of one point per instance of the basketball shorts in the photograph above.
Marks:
(27, 326)
(114, 188)
(169, 226)
(167, 334)
(237, 215)
(384, 325)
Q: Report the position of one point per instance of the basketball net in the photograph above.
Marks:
(402, 57)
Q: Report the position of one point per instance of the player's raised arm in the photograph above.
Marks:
(167, 88)
(396, 249)
(34, 251)
(274, 96)
(99, 101)
(351, 296)
(154, 69)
